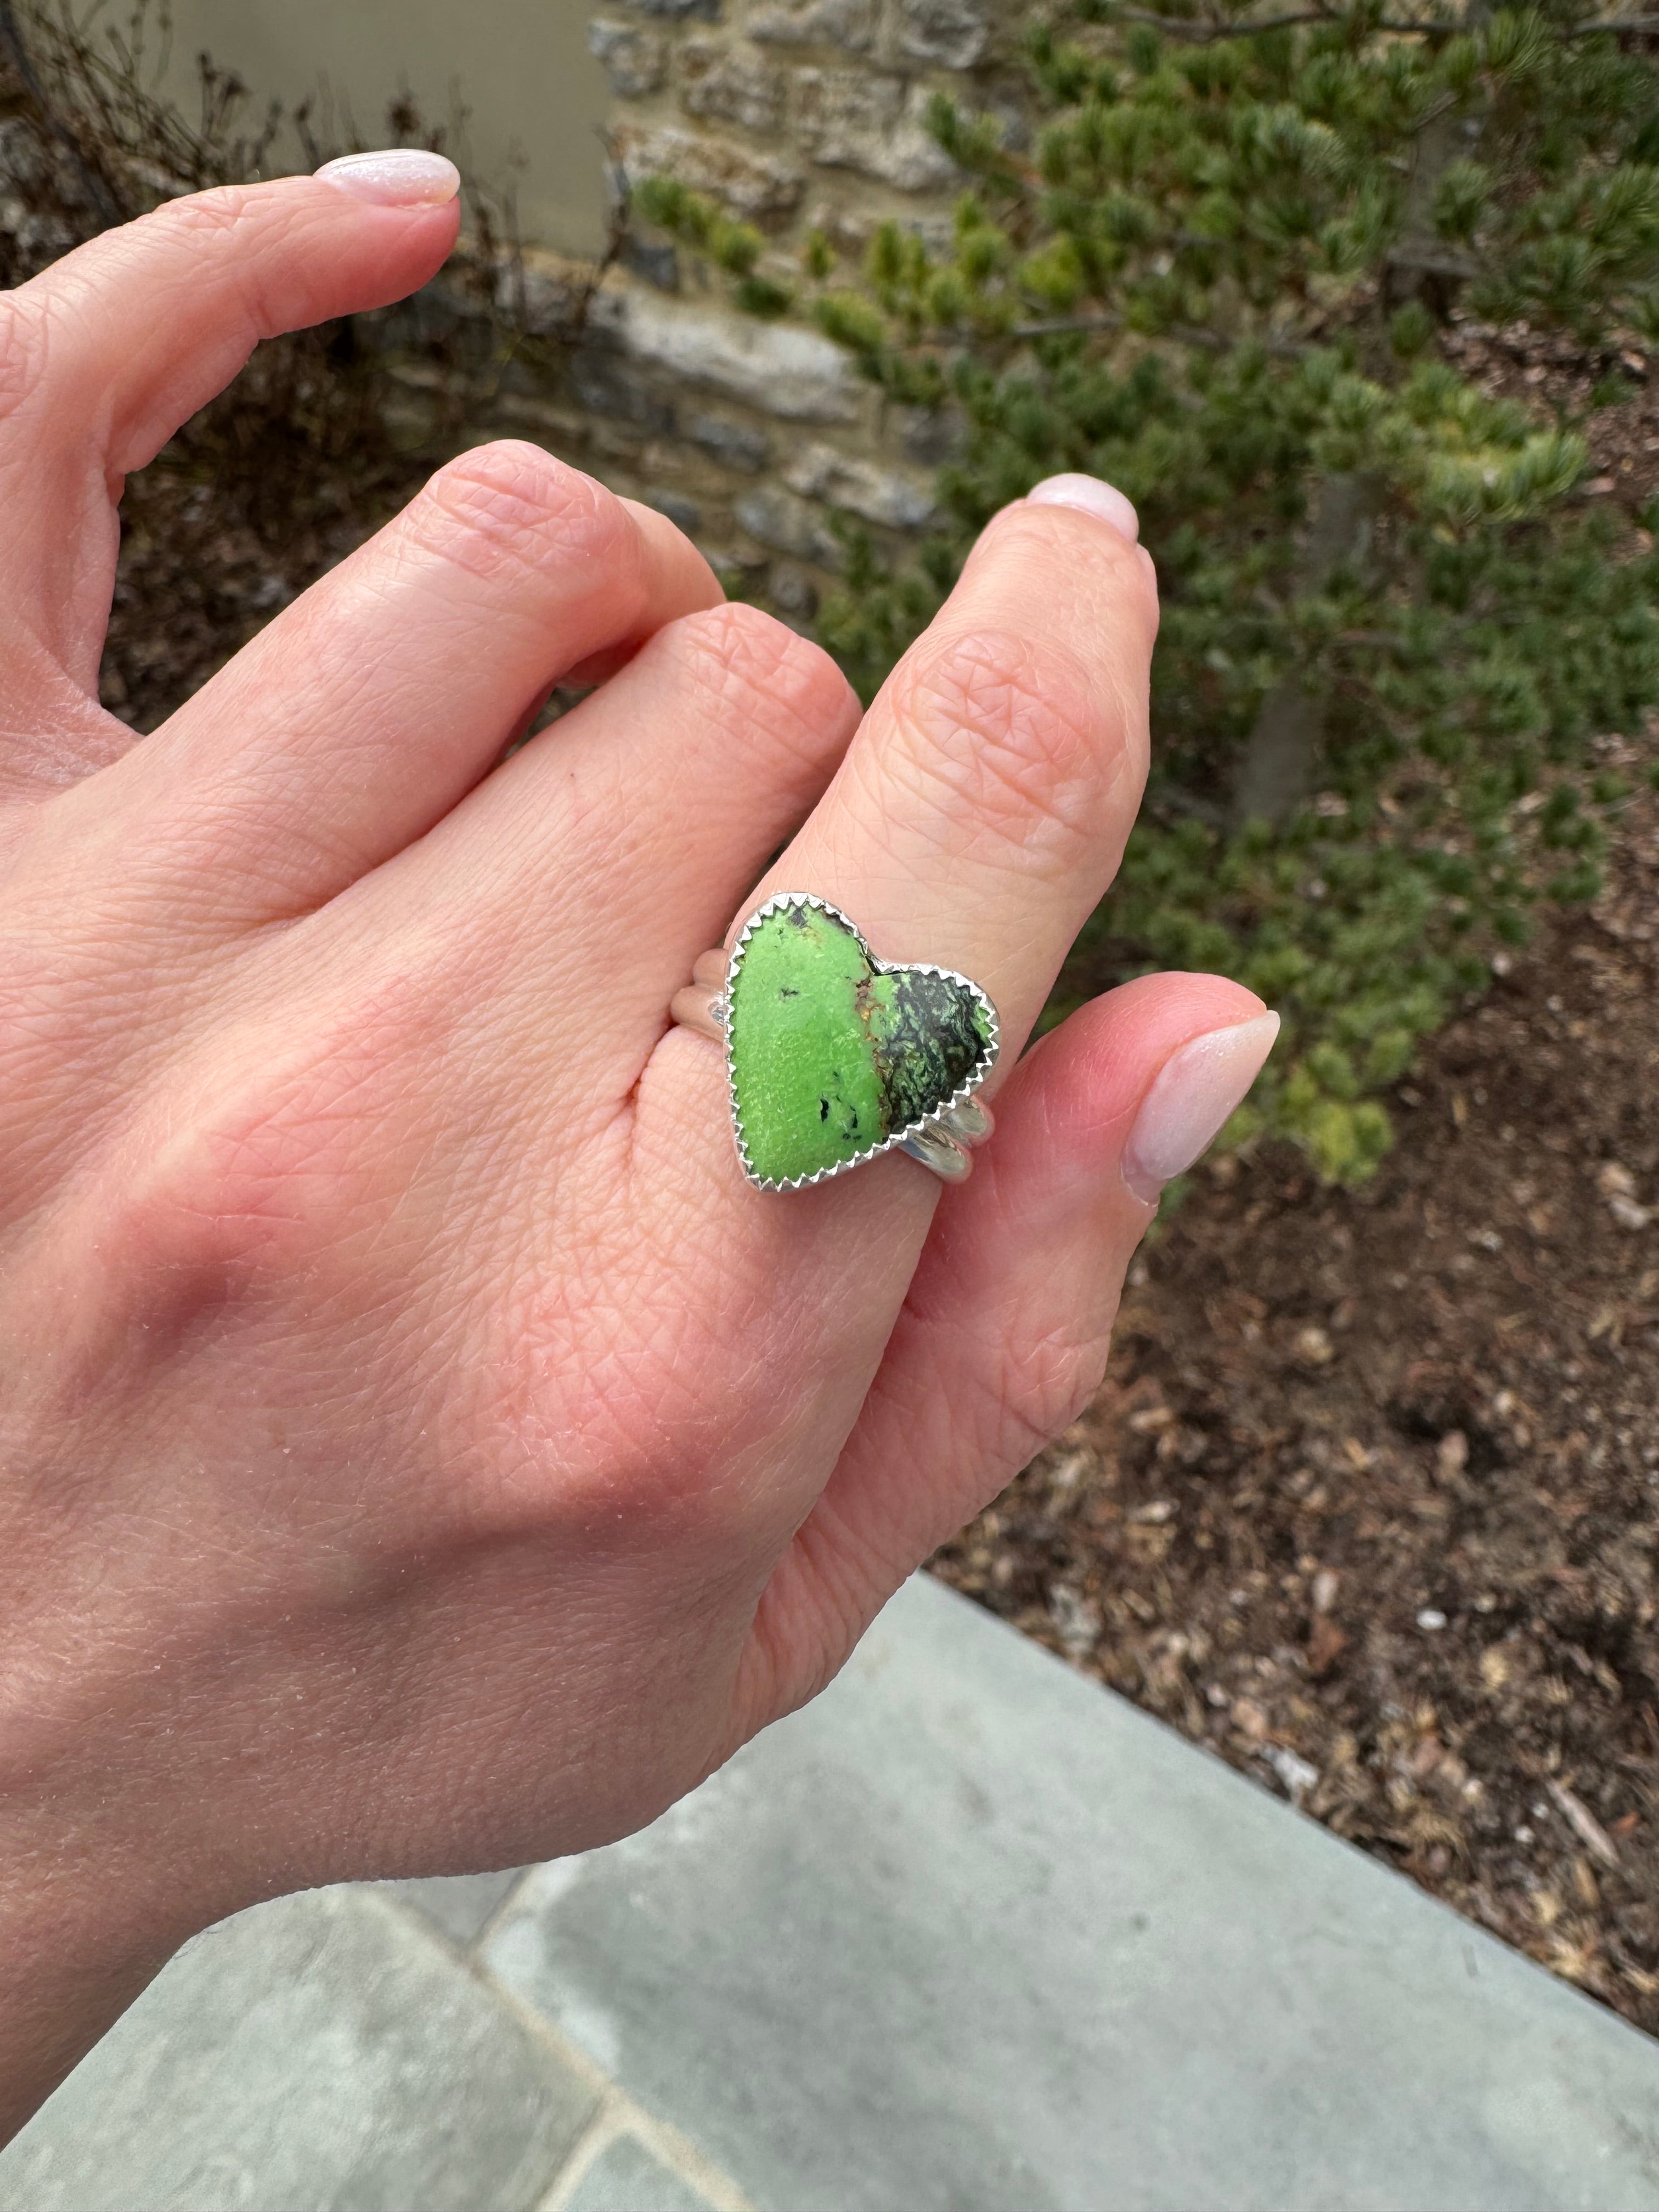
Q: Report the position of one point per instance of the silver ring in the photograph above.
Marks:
(834, 1056)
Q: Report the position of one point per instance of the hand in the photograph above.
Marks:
(422, 1450)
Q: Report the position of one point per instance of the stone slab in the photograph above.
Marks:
(320, 2052)
(970, 1933)
(626, 2178)
(786, 371)
(460, 1904)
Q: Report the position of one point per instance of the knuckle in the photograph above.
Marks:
(1041, 1386)
(257, 1177)
(744, 636)
(615, 1397)
(744, 649)
(229, 239)
(757, 668)
(210, 217)
(510, 506)
(227, 1197)
(1009, 730)
(603, 1409)
(22, 352)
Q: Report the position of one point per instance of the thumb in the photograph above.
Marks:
(1004, 1334)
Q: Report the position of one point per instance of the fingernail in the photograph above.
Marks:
(1196, 1091)
(397, 176)
(1094, 495)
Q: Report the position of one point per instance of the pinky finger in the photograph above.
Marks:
(1004, 1336)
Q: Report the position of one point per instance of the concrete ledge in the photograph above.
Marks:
(319, 2051)
(968, 1934)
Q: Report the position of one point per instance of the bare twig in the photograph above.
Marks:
(1184, 333)
(1201, 34)
(618, 232)
(1196, 31)
(12, 46)
(1584, 1824)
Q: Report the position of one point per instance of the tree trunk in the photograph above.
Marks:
(1276, 769)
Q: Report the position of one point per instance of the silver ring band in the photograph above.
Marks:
(944, 1142)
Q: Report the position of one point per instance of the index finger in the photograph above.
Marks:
(981, 811)
(105, 353)
(126, 337)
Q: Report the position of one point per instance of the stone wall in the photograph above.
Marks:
(798, 115)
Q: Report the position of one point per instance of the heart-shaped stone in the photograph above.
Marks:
(834, 1054)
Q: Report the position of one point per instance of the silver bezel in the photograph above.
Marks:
(927, 1123)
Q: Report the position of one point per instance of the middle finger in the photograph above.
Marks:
(370, 706)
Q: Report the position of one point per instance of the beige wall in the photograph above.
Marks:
(521, 66)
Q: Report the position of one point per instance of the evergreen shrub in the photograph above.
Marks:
(1226, 272)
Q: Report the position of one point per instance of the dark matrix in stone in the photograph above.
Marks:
(930, 1034)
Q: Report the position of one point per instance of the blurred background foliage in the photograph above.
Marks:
(1234, 266)
(1224, 273)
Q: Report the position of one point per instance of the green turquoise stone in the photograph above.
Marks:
(832, 1051)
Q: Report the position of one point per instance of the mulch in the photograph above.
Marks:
(1368, 1503)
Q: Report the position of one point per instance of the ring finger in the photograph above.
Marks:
(981, 811)
(362, 714)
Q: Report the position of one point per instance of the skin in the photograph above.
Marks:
(419, 1449)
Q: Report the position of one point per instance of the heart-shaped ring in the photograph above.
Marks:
(833, 1056)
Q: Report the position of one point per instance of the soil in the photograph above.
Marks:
(1368, 1503)
(1609, 393)
(264, 490)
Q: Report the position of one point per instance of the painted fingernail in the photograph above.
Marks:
(1094, 495)
(1196, 1091)
(397, 176)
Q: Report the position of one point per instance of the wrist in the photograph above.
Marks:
(78, 1943)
